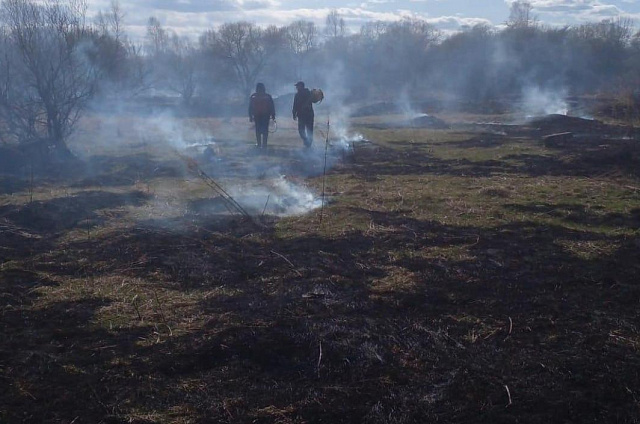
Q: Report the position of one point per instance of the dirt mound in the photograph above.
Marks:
(394, 107)
(582, 127)
(558, 123)
(381, 108)
(428, 121)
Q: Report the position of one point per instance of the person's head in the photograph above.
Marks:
(260, 88)
(299, 85)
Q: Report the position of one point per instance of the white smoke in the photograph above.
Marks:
(340, 137)
(172, 131)
(406, 107)
(278, 196)
(537, 101)
(262, 187)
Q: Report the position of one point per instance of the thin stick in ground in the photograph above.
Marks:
(288, 261)
(324, 169)
(231, 204)
(509, 396)
(319, 359)
(265, 205)
(31, 182)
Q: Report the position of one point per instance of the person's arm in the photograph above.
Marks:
(296, 99)
(250, 111)
(272, 105)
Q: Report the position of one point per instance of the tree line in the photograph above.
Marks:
(55, 62)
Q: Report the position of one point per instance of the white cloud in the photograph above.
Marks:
(192, 17)
(563, 12)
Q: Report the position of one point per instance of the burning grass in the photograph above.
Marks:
(449, 280)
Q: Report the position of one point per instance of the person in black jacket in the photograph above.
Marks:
(261, 108)
(303, 113)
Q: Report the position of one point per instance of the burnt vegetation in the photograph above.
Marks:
(464, 268)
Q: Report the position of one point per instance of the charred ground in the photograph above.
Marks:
(463, 275)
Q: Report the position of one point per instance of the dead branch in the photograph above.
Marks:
(319, 359)
(265, 205)
(231, 204)
(509, 395)
(288, 261)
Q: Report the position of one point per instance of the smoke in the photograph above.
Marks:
(339, 111)
(277, 196)
(259, 182)
(537, 101)
(406, 107)
(166, 128)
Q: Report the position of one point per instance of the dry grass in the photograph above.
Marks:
(450, 280)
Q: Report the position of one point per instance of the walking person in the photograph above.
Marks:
(303, 113)
(261, 108)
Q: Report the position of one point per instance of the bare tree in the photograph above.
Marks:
(334, 25)
(113, 47)
(50, 66)
(16, 108)
(157, 38)
(613, 33)
(302, 37)
(404, 45)
(520, 15)
(242, 46)
(372, 31)
(111, 22)
(181, 65)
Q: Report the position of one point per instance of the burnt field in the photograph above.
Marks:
(480, 272)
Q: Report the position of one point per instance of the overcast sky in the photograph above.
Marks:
(192, 17)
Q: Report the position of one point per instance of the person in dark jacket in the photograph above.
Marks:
(303, 113)
(261, 108)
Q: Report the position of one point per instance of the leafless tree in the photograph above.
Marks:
(302, 37)
(616, 32)
(182, 66)
(171, 59)
(157, 38)
(334, 25)
(111, 22)
(372, 31)
(242, 46)
(113, 47)
(50, 67)
(13, 116)
(520, 15)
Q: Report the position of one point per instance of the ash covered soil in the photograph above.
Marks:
(471, 274)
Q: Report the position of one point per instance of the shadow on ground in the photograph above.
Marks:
(585, 157)
(368, 326)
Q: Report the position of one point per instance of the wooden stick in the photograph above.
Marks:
(509, 395)
(265, 205)
(319, 359)
(228, 200)
(324, 170)
(288, 261)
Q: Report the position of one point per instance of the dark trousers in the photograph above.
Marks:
(305, 128)
(262, 130)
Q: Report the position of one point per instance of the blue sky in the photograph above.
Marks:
(191, 17)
